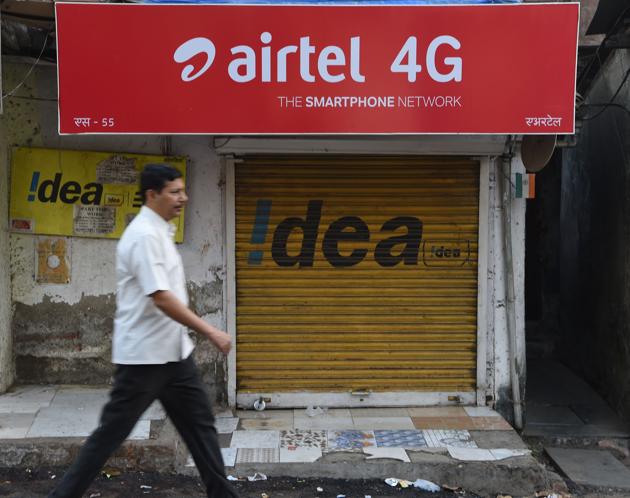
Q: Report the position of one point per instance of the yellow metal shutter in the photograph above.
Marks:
(370, 325)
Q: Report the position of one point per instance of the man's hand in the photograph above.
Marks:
(178, 311)
(221, 340)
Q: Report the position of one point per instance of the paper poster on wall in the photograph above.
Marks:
(79, 193)
(53, 261)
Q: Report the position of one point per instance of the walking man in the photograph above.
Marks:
(151, 348)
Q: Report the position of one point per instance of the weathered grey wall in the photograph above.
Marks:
(595, 243)
(7, 370)
(498, 323)
(62, 333)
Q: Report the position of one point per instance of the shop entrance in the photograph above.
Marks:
(356, 279)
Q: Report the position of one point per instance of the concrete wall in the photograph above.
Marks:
(595, 243)
(62, 333)
(498, 321)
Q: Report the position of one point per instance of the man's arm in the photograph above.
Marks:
(172, 307)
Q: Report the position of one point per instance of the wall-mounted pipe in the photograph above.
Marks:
(508, 262)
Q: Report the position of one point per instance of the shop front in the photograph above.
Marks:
(357, 279)
(363, 180)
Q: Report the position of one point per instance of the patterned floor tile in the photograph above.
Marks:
(437, 411)
(300, 455)
(462, 423)
(224, 414)
(265, 415)
(255, 439)
(379, 412)
(400, 439)
(325, 413)
(490, 424)
(443, 438)
(274, 423)
(229, 456)
(480, 411)
(323, 423)
(258, 455)
(303, 438)
(226, 425)
(350, 440)
(368, 423)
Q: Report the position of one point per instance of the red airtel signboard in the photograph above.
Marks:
(278, 69)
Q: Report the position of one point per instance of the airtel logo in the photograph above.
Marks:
(190, 49)
(334, 64)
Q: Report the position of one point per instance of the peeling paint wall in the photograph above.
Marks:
(595, 243)
(62, 332)
(7, 370)
(500, 345)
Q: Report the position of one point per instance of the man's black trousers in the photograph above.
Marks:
(178, 387)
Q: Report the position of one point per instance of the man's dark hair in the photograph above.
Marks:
(155, 176)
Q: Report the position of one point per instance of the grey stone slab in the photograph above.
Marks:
(76, 421)
(225, 425)
(559, 431)
(154, 412)
(141, 431)
(551, 415)
(498, 439)
(229, 456)
(80, 397)
(27, 399)
(591, 467)
(599, 414)
(15, 425)
(550, 382)
(64, 422)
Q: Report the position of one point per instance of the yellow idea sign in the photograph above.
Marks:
(78, 193)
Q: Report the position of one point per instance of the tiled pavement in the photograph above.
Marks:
(44, 425)
(288, 436)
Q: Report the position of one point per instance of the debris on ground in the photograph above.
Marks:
(418, 483)
(426, 485)
(257, 477)
(609, 444)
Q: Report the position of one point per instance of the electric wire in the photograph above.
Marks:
(610, 103)
(19, 85)
(596, 55)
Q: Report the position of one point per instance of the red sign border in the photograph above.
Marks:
(319, 134)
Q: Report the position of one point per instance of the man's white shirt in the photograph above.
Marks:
(148, 261)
